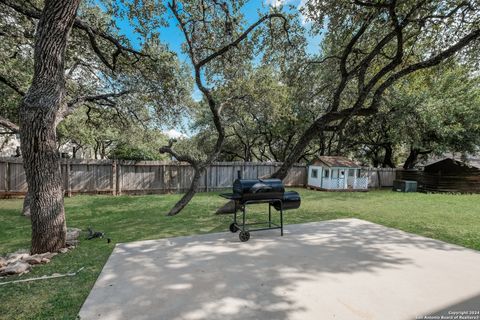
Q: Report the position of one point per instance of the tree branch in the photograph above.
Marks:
(234, 43)
(92, 98)
(79, 24)
(180, 157)
(11, 85)
(433, 61)
(371, 4)
(343, 63)
(9, 125)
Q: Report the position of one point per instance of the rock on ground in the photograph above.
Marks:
(47, 255)
(73, 234)
(40, 258)
(14, 257)
(18, 267)
(20, 262)
(33, 260)
(72, 243)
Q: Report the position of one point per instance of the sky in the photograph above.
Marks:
(172, 36)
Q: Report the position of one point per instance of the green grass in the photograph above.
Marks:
(452, 218)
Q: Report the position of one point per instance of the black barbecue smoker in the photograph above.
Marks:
(253, 191)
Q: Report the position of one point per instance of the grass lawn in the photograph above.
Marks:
(451, 218)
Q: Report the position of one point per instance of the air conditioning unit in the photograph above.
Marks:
(404, 186)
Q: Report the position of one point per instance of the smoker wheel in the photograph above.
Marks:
(233, 228)
(244, 236)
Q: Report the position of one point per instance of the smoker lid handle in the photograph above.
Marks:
(260, 187)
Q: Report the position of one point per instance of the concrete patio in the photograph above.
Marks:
(340, 269)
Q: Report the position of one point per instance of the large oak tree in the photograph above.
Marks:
(369, 45)
(39, 115)
(79, 59)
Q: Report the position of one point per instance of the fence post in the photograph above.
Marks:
(94, 175)
(69, 184)
(7, 176)
(178, 177)
(114, 177)
(379, 178)
(164, 180)
(119, 178)
(206, 179)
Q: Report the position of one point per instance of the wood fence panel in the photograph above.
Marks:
(17, 179)
(157, 177)
(81, 177)
(103, 175)
(209, 179)
(224, 174)
(173, 176)
(265, 170)
(387, 177)
(249, 172)
(3, 176)
(187, 173)
(296, 176)
(237, 169)
(65, 177)
(127, 178)
(379, 177)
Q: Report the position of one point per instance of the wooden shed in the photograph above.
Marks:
(451, 175)
(335, 173)
(447, 175)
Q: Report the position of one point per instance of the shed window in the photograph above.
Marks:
(314, 173)
(327, 172)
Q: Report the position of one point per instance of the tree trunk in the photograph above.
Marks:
(39, 113)
(412, 159)
(182, 203)
(297, 151)
(26, 205)
(388, 158)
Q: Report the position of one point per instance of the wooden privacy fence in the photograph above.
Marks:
(145, 177)
(379, 177)
(141, 177)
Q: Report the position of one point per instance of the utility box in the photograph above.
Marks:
(404, 186)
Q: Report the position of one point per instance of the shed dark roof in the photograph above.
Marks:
(470, 159)
(331, 161)
(451, 167)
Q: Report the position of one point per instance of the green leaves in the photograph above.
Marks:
(435, 111)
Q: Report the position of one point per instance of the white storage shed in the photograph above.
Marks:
(336, 173)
